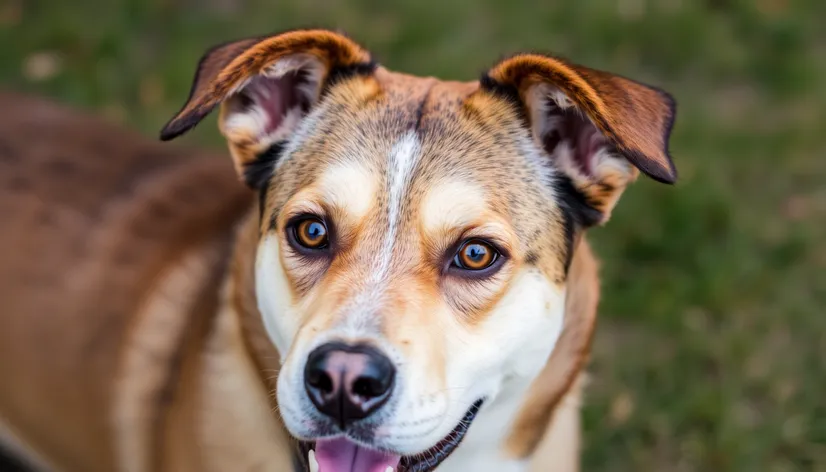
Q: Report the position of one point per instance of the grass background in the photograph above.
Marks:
(711, 346)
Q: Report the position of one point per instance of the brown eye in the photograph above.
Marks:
(475, 255)
(311, 233)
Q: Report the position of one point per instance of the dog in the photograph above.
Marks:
(406, 286)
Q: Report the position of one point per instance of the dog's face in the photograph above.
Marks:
(409, 221)
(415, 234)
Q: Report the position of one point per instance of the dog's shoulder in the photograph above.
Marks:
(94, 217)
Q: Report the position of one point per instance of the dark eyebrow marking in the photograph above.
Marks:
(258, 172)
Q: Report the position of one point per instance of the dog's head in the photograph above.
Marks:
(415, 234)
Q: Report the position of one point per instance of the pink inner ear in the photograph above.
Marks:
(581, 135)
(274, 96)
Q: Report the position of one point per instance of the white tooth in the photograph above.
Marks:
(312, 461)
(389, 469)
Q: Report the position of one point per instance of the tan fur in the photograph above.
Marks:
(97, 222)
(178, 452)
(131, 336)
(148, 359)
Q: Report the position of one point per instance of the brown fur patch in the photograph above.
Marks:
(635, 117)
(224, 68)
(89, 246)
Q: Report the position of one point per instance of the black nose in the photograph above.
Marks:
(348, 382)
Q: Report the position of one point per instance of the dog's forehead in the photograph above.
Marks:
(422, 144)
(425, 129)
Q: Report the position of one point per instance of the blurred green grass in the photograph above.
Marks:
(711, 346)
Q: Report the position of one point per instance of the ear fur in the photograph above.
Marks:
(599, 128)
(266, 86)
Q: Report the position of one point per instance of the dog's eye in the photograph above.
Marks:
(475, 255)
(310, 233)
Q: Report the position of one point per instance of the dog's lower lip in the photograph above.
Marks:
(431, 458)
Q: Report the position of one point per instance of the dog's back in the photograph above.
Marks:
(92, 218)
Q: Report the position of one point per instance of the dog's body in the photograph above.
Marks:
(150, 301)
(116, 326)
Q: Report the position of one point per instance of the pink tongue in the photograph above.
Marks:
(341, 455)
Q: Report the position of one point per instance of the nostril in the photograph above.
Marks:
(320, 380)
(368, 388)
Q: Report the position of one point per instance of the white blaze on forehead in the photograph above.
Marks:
(452, 204)
(401, 161)
(400, 165)
(349, 186)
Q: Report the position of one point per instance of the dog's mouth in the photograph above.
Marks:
(342, 455)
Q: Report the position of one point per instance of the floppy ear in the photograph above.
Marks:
(598, 128)
(265, 87)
